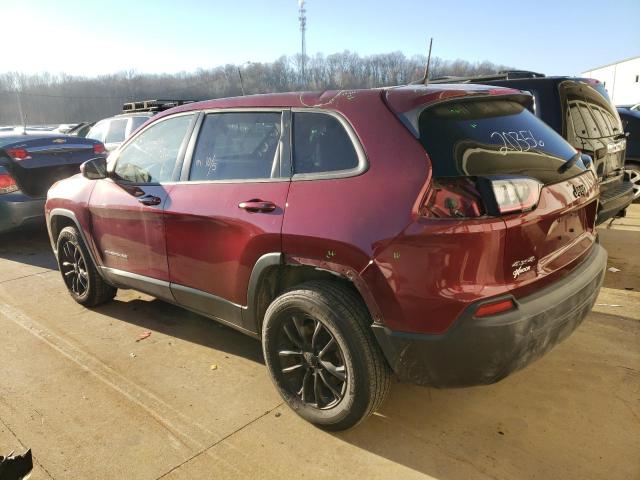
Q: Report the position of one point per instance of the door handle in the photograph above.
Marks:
(150, 200)
(257, 205)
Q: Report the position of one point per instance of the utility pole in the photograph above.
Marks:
(302, 17)
(23, 119)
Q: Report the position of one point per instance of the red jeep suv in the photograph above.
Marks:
(443, 233)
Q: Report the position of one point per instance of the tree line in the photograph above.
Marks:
(51, 99)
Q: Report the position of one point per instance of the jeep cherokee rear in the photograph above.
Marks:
(444, 233)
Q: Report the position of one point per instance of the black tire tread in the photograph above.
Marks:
(352, 310)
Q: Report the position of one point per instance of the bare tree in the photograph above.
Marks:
(48, 98)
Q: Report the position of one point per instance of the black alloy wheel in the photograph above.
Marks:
(312, 362)
(322, 355)
(78, 271)
(74, 268)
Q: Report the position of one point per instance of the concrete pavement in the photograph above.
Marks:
(91, 402)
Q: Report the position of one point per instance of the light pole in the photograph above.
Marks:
(240, 75)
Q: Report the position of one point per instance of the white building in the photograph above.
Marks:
(621, 79)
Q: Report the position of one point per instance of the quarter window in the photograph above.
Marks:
(321, 144)
(116, 131)
(237, 146)
(98, 131)
(152, 156)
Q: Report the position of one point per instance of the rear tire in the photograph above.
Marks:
(322, 356)
(79, 274)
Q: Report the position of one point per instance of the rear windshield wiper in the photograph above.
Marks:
(569, 163)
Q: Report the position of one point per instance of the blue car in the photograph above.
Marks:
(29, 165)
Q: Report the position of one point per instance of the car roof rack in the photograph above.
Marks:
(503, 75)
(152, 105)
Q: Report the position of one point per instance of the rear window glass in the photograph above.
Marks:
(491, 138)
(116, 131)
(137, 122)
(321, 144)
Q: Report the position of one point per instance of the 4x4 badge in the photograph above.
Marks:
(579, 191)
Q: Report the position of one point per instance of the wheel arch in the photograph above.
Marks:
(59, 218)
(274, 273)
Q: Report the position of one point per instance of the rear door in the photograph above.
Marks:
(126, 210)
(228, 209)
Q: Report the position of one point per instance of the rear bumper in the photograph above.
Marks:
(478, 351)
(615, 199)
(18, 209)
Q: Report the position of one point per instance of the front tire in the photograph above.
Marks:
(79, 273)
(322, 356)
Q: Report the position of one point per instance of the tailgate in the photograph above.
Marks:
(560, 230)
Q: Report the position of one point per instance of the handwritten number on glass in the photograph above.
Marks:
(520, 141)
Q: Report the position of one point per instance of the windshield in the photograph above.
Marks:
(493, 137)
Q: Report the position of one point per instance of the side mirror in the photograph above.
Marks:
(94, 169)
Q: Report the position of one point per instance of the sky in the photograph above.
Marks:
(93, 37)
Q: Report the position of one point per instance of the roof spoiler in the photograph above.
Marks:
(503, 75)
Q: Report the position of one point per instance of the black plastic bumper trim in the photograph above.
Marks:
(479, 351)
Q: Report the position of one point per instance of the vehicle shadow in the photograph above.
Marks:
(30, 246)
(547, 411)
(156, 315)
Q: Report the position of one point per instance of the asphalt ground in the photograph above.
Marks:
(193, 400)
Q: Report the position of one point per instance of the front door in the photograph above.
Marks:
(126, 209)
(227, 212)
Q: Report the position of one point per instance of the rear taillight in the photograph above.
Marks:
(98, 148)
(515, 194)
(453, 198)
(18, 153)
(7, 183)
(468, 197)
(493, 308)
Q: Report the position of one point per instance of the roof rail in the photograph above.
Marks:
(152, 105)
(503, 75)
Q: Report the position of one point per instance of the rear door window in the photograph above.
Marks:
(321, 144)
(589, 121)
(492, 137)
(237, 146)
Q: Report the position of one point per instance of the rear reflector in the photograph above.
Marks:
(493, 308)
(18, 153)
(7, 183)
(98, 148)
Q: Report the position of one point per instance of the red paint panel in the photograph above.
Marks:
(129, 235)
(212, 244)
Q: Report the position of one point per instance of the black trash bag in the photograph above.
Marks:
(16, 467)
